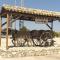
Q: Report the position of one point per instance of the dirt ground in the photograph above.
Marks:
(51, 57)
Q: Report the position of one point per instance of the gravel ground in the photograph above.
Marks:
(51, 57)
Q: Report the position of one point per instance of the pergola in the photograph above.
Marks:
(28, 14)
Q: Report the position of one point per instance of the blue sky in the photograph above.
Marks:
(53, 5)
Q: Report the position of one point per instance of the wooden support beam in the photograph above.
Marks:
(0, 29)
(52, 29)
(49, 26)
(52, 25)
(7, 31)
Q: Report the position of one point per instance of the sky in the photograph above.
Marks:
(53, 5)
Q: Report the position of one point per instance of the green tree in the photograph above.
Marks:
(24, 30)
(56, 34)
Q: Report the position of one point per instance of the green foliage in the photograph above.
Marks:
(24, 29)
(56, 34)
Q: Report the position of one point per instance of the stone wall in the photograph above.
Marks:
(29, 51)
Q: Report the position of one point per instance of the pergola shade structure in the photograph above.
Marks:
(27, 14)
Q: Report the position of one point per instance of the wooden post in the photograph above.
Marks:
(7, 20)
(0, 29)
(52, 25)
(52, 29)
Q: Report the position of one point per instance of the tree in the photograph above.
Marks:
(56, 34)
(23, 30)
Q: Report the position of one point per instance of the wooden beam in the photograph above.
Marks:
(7, 31)
(0, 29)
(52, 25)
(10, 21)
(49, 26)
